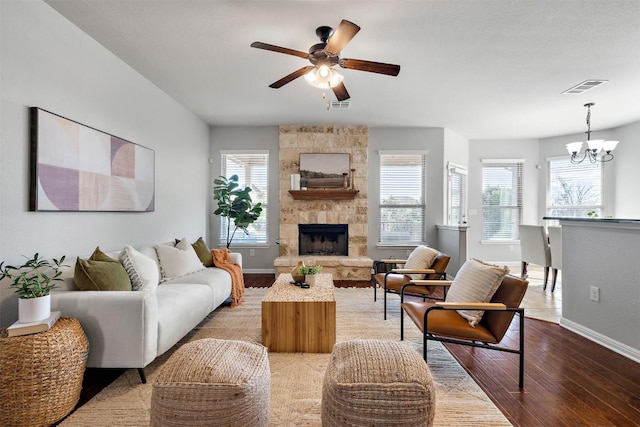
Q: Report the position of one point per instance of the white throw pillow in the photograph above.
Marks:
(420, 258)
(476, 281)
(179, 260)
(142, 270)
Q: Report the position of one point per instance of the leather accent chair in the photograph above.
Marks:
(392, 279)
(555, 244)
(534, 249)
(439, 321)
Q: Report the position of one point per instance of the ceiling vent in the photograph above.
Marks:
(339, 105)
(584, 86)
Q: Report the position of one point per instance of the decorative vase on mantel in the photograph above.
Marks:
(295, 273)
(34, 309)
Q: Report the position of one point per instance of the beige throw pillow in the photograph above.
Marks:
(179, 260)
(142, 270)
(420, 258)
(476, 281)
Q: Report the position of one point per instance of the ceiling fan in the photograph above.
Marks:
(324, 56)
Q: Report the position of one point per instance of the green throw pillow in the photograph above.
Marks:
(203, 252)
(101, 273)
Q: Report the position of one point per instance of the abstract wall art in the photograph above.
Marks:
(78, 168)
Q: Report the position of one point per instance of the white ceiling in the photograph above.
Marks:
(484, 69)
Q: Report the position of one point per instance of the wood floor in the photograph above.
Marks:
(569, 380)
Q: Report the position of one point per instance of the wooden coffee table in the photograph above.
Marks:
(299, 320)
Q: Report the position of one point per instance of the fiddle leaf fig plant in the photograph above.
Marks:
(35, 278)
(235, 204)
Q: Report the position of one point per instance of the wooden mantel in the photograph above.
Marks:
(324, 194)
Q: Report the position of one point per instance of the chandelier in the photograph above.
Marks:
(593, 146)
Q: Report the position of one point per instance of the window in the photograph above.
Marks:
(402, 197)
(252, 170)
(501, 199)
(573, 190)
(456, 194)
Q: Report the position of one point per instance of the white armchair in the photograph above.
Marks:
(534, 248)
(555, 244)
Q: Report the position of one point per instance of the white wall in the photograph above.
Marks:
(627, 172)
(47, 62)
(247, 138)
(526, 149)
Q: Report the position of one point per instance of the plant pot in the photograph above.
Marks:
(34, 309)
(310, 279)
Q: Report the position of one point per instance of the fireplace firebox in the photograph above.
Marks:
(323, 239)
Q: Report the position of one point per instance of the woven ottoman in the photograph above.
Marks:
(377, 383)
(213, 382)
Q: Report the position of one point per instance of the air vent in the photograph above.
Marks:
(584, 86)
(339, 105)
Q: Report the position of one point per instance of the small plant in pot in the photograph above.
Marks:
(309, 272)
(33, 282)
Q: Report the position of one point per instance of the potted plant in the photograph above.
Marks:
(236, 205)
(33, 281)
(309, 272)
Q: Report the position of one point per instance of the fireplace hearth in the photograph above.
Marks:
(323, 239)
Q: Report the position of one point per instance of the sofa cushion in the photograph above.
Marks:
(203, 252)
(476, 281)
(178, 261)
(101, 273)
(181, 307)
(142, 270)
(420, 258)
(217, 279)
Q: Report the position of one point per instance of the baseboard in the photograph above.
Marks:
(258, 270)
(603, 340)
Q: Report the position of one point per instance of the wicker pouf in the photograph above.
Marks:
(377, 383)
(213, 382)
(41, 374)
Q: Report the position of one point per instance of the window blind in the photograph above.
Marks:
(402, 198)
(574, 190)
(252, 170)
(501, 199)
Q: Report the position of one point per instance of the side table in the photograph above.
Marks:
(41, 374)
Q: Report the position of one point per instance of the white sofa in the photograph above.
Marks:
(129, 329)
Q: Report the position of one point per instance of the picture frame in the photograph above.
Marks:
(76, 168)
(324, 170)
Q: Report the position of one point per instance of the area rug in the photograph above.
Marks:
(296, 386)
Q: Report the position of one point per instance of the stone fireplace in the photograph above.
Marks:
(325, 209)
(323, 239)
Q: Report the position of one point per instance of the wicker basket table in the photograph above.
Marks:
(377, 383)
(41, 374)
(212, 382)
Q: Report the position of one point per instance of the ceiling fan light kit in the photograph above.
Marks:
(324, 56)
(323, 77)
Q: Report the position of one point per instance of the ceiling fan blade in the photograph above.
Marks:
(344, 33)
(265, 46)
(341, 92)
(283, 81)
(370, 66)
